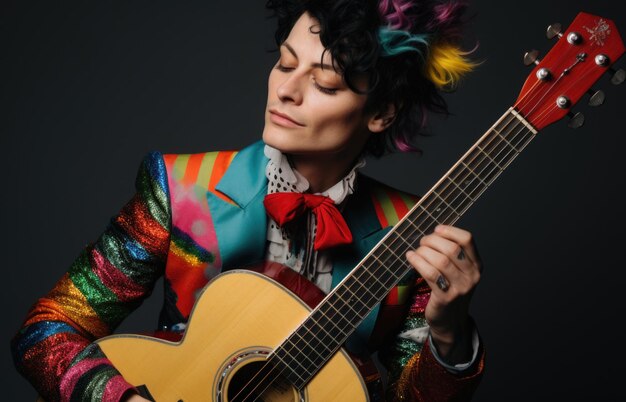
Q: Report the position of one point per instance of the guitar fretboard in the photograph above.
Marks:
(306, 350)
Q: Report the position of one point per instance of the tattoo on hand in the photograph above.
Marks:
(442, 283)
(461, 255)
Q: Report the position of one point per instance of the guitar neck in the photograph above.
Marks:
(337, 316)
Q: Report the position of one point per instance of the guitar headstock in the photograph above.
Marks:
(583, 53)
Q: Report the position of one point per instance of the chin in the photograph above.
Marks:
(285, 142)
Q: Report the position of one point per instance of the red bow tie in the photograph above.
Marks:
(332, 229)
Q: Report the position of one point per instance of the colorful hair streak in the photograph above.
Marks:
(394, 14)
(447, 19)
(447, 64)
(395, 42)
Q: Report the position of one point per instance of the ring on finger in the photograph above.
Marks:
(442, 283)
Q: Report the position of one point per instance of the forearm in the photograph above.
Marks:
(107, 281)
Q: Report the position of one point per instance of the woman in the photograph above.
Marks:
(353, 77)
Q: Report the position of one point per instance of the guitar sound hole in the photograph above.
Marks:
(255, 381)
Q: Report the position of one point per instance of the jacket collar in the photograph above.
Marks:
(243, 225)
(245, 176)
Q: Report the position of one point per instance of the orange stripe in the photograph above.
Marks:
(398, 203)
(379, 212)
(193, 167)
(169, 160)
(67, 303)
(222, 162)
(219, 168)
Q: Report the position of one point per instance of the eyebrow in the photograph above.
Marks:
(316, 65)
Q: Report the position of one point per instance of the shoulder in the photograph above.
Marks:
(390, 204)
(194, 169)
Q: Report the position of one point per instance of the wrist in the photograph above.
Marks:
(454, 345)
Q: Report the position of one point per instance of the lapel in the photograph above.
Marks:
(241, 226)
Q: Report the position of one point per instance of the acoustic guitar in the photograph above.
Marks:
(249, 338)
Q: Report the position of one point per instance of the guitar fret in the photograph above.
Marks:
(469, 184)
(485, 168)
(411, 231)
(345, 302)
(427, 212)
(436, 204)
(334, 308)
(330, 324)
(371, 275)
(311, 332)
(403, 240)
(289, 369)
(367, 293)
(507, 141)
(427, 221)
(490, 158)
(459, 188)
(389, 270)
(474, 173)
(387, 250)
(359, 286)
(319, 321)
(306, 351)
(384, 286)
(459, 199)
(313, 329)
(497, 147)
(444, 201)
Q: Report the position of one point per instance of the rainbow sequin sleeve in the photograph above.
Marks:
(414, 374)
(108, 280)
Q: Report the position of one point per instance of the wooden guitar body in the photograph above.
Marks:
(240, 317)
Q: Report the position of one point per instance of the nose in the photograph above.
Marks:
(291, 88)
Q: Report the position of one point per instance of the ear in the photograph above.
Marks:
(382, 119)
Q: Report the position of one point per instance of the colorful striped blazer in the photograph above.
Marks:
(192, 217)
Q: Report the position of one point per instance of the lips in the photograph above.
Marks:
(284, 119)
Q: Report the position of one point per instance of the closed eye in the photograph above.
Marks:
(282, 68)
(325, 90)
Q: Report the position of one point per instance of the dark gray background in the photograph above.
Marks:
(88, 88)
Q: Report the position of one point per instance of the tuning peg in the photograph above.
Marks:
(596, 97)
(576, 120)
(554, 30)
(531, 57)
(618, 76)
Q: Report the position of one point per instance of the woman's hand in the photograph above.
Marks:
(449, 262)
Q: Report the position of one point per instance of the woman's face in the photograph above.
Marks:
(310, 110)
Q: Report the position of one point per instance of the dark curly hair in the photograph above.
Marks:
(408, 49)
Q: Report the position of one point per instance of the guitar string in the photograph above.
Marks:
(572, 85)
(346, 290)
(483, 156)
(481, 150)
(480, 153)
(542, 116)
(352, 292)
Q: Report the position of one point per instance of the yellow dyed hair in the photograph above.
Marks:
(447, 64)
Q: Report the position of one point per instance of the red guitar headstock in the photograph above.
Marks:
(584, 52)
